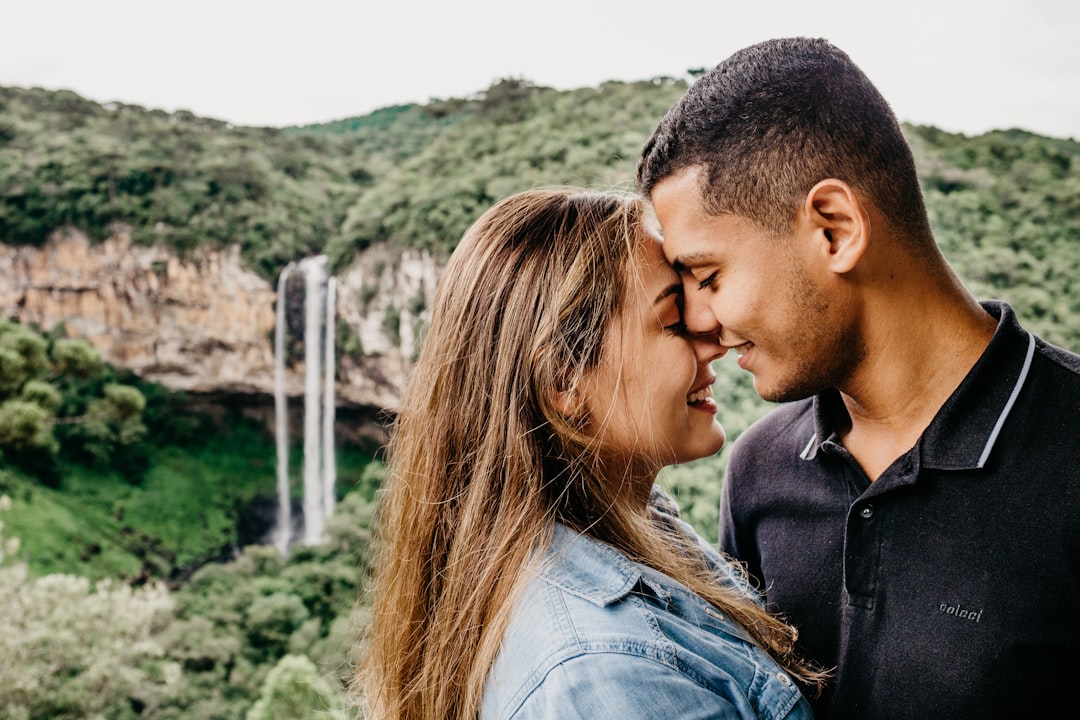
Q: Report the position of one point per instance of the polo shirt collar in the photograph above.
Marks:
(967, 427)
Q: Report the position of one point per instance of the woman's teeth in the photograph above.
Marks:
(699, 395)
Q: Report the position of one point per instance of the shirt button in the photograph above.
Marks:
(867, 512)
(784, 679)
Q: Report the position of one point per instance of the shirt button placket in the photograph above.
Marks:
(861, 553)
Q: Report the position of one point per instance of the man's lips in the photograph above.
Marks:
(741, 352)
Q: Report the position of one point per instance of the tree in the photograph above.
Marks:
(72, 649)
(26, 427)
(294, 690)
(63, 384)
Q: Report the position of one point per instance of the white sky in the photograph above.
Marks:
(962, 66)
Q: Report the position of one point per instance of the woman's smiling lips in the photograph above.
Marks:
(701, 397)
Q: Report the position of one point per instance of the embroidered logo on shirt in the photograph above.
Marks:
(961, 612)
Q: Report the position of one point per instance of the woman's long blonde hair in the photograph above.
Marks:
(482, 464)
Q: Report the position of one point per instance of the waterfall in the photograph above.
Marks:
(329, 465)
(313, 315)
(281, 420)
(319, 467)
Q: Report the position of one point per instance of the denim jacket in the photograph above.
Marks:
(597, 636)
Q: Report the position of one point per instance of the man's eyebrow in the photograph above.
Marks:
(683, 263)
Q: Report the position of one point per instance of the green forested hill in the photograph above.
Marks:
(255, 631)
(408, 175)
(1005, 208)
(1005, 205)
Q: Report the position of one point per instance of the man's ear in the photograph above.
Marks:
(838, 223)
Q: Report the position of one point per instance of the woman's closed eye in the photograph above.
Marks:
(678, 328)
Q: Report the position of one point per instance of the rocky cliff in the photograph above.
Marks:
(205, 324)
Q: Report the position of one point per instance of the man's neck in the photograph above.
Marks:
(915, 363)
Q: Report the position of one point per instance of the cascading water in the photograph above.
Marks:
(319, 469)
(313, 315)
(283, 531)
(329, 401)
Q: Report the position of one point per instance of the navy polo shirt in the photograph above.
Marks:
(950, 586)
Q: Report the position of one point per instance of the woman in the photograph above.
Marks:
(523, 571)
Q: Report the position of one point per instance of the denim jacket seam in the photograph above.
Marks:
(643, 650)
(634, 591)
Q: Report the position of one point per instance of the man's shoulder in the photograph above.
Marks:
(1013, 330)
(1059, 356)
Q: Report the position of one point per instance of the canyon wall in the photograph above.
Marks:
(204, 323)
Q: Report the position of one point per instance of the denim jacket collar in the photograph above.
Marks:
(594, 571)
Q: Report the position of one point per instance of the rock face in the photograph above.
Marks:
(383, 298)
(205, 324)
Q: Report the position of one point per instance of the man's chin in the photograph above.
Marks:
(781, 393)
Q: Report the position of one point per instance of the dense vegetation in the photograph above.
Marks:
(125, 599)
(133, 591)
(407, 175)
(56, 393)
(172, 177)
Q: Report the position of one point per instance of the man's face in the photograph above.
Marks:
(765, 296)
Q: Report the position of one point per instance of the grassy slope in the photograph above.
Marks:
(183, 514)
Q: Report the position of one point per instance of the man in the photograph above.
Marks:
(913, 506)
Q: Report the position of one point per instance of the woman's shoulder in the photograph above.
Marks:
(576, 603)
(575, 598)
(592, 632)
(573, 612)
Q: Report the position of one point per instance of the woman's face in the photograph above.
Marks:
(651, 396)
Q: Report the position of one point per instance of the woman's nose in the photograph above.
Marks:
(707, 347)
(697, 313)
